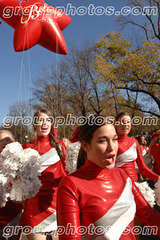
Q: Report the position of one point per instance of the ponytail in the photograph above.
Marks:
(81, 158)
(55, 144)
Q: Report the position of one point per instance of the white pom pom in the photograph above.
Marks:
(157, 191)
(22, 168)
(71, 156)
(4, 190)
(147, 192)
(11, 159)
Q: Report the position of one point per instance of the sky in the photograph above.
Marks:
(18, 70)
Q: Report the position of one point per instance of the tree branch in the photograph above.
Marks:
(142, 91)
(141, 110)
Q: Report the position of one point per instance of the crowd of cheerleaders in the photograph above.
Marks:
(97, 194)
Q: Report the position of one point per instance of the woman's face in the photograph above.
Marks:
(43, 125)
(143, 141)
(124, 125)
(103, 147)
(5, 138)
(66, 141)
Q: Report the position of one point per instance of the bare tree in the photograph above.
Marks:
(70, 86)
(19, 121)
(148, 20)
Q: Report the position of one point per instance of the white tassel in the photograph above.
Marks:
(157, 191)
(147, 192)
(71, 156)
(22, 168)
(4, 190)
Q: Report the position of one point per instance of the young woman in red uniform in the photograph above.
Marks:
(40, 211)
(99, 201)
(129, 150)
(143, 144)
(11, 213)
(154, 150)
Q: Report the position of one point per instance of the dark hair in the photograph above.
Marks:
(158, 139)
(138, 139)
(9, 133)
(85, 133)
(52, 138)
(119, 115)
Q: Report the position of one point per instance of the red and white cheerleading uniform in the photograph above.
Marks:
(102, 203)
(40, 211)
(128, 153)
(144, 150)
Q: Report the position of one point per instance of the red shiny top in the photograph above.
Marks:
(43, 145)
(128, 153)
(155, 151)
(93, 197)
(41, 207)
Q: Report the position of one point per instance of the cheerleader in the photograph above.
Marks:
(143, 144)
(154, 150)
(99, 201)
(40, 211)
(129, 151)
(66, 142)
(9, 214)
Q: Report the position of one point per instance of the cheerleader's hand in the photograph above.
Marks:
(157, 191)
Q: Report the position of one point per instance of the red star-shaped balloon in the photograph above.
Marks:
(35, 22)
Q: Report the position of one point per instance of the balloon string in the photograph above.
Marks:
(20, 81)
(30, 79)
(29, 92)
(23, 86)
